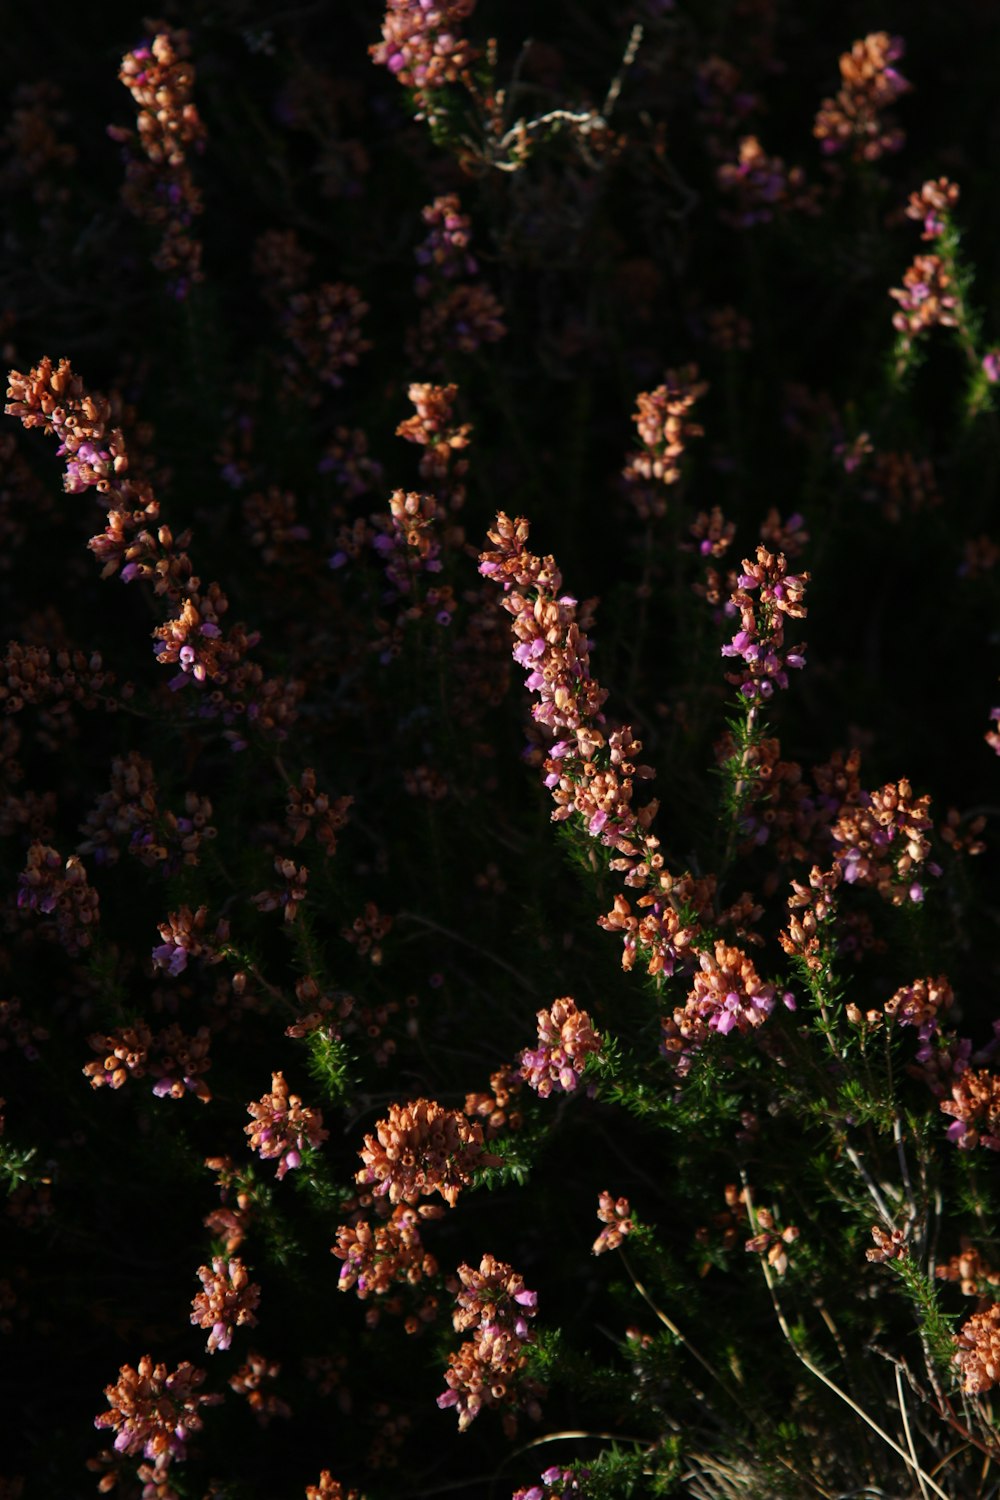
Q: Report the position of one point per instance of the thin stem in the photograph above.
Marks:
(813, 1369)
(909, 1436)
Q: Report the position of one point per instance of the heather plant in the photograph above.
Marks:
(500, 587)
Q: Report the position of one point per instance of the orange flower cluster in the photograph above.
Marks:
(497, 1108)
(460, 314)
(665, 426)
(728, 994)
(313, 812)
(330, 1489)
(57, 889)
(887, 1246)
(927, 299)
(756, 186)
(176, 1060)
(228, 1300)
(434, 428)
(616, 1215)
(423, 46)
(566, 1038)
(154, 1413)
(975, 1105)
(422, 1148)
(376, 1259)
(977, 1351)
(282, 1126)
(920, 1003)
(968, 1268)
(129, 815)
(160, 189)
(855, 118)
(248, 1382)
(931, 204)
(185, 936)
(882, 843)
(487, 1371)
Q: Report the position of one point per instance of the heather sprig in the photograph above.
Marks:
(705, 1210)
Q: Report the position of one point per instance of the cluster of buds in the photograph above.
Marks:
(129, 814)
(313, 812)
(975, 1107)
(881, 842)
(855, 118)
(887, 1246)
(566, 1038)
(159, 188)
(434, 429)
(728, 994)
(289, 896)
(408, 544)
(444, 255)
(366, 932)
(927, 299)
(977, 1351)
(901, 484)
(422, 44)
(228, 1300)
(549, 641)
(664, 935)
(766, 594)
(175, 1060)
(600, 795)
(921, 1004)
(459, 313)
(460, 320)
(931, 205)
(36, 675)
(772, 1241)
(970, 1270)
(811, 907)
(665, 427)
(271, 523)
(725, 104)
(58, 889)
(178, 1062)
(756, 186)
(422, 1148)
(185, 936)
(154, 1413)
(557, 1483)
(616, 1216)
(283, 1127)
(390, 1254)
(230, 1222)
(486, 1371)
(34, 157)
(588, 773)
(323, 329)
(321, 324)
(248, 1382)
(330, 1489)
(497, 1108)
